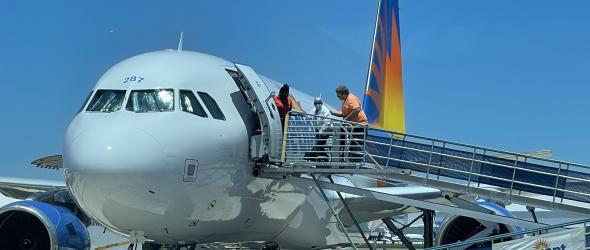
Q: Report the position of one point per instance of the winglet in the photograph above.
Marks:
(542, 154)
(50, 162)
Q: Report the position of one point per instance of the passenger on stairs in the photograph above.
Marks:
(351, 107)
(322, 127)
(283, 103)
(351, 111)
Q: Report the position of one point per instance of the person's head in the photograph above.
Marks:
(284, 91)
(342, 92)
(317, 102)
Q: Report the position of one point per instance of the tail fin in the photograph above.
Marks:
(384, 98)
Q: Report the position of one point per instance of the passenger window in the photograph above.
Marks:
(106, 101)
(85, 102)
(153, 100)
(189, 103)
(212, 106)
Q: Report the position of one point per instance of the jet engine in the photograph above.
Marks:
(33, 224)
(455, 228)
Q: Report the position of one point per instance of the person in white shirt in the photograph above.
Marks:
(322, 127)
(319, 108)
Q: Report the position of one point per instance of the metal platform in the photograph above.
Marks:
(316, 145)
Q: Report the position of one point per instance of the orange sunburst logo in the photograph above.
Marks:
(542, 244)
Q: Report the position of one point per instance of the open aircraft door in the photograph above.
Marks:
(269, 141)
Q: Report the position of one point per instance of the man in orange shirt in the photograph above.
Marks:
(352, 111)
(351, 107)
(283, 103)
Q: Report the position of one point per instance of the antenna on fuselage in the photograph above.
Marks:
(180, 41)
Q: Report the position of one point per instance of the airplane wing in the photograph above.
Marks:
(20, 188)
(543, 154)
(23, 188)
(51, 162)
(368, 209)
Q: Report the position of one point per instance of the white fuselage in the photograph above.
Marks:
(125, 169)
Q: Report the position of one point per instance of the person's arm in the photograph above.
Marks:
(336, 113)
(352, 113)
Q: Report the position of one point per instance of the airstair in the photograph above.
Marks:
(318, 145)
(309, 146)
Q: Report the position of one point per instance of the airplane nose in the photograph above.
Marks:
(109, 171)
(105, 150)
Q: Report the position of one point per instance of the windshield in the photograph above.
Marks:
(85, 101)
(189, 103)
(153, 100)
(106, 101)
(212, 106)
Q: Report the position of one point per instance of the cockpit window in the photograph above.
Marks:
(85, 102)
(106, 101)
(189, 103)
(212, 106)
(152, 100)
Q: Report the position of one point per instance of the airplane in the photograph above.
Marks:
(161, 152)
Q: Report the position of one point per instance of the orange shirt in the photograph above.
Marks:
(351, 103)
(283, 108)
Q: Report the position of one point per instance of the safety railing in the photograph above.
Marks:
(489, 242)
(318, 141)
(471, 166)
(311, 140)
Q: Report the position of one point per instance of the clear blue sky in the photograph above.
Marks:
(511, 75)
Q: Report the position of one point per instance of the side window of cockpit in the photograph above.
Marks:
(106, 101)
(189, 103)
(212, 106)
(85, 102)
(151, 100)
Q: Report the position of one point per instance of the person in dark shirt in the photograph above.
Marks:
(283, 103)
